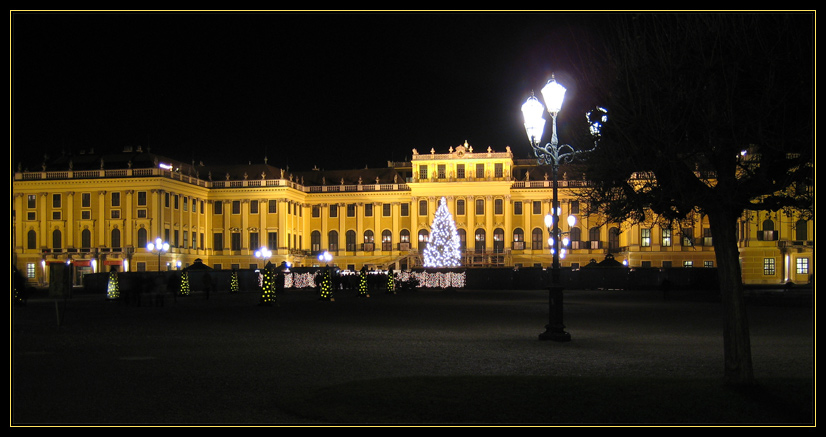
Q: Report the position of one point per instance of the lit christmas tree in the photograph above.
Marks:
(233, 282)
(391, 282)
(363, 289)
(113, 290)
(184, 287)
(326, 285)
(268, 285)
(443, 247)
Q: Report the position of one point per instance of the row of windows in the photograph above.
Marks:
(766, 233)
(537, 238)
(115, 239)
(478, 171)
(86, 200)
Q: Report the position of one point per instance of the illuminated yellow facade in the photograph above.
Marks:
(101, 211)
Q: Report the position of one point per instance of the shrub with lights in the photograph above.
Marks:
(184, 287)
(113, 289)
(363, 288)
(268, 285)
(326, 285)
(391, 282)
(443, 247)
(233, 282)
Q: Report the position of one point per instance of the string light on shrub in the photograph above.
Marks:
(267, 286)
(326, 285)
(233, 282)
(363, 289)
(184, 288)
(112, 288)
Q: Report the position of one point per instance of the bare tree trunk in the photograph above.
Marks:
(736, 342)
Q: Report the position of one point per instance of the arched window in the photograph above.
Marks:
(315, 241)
(498, 240)
(332, 237)
(350, 240)
(116, 238)
(57, 239)
(767, 233)
(368, 240)
(462, 239)
(386, 240)
(404, 240)
(86, 238)
(593, 238)
(480, 240)
(424, 236)
(613, 239)
(31, 238)
(518, 239)
(536, 239)
(801, 230)
(576, 238)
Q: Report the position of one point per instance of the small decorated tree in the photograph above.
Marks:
(113, 289)
(443, 247)
(183, 289)
(233, 282)
(268, 285)
(363, 288)
(326, 285)
(391, 282)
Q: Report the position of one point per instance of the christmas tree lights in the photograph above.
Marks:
(391, 282)
(363, 289)
(233, 282)
(113, 289)
(326, 285)
(443, 247)
(268, 286)
(184, 287)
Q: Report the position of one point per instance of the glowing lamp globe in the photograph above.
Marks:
(553, 93)
(532, 111)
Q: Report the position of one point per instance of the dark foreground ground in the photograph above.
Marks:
(415, 358)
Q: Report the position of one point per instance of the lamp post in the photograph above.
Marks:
(553, 154)
(326, 286)
(159, 246)
(325, 257)
(263, 253)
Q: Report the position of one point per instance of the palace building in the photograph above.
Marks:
(97, 211)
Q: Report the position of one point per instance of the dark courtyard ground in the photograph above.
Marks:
(413, 358)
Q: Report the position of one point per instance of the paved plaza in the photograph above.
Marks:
(224, 359)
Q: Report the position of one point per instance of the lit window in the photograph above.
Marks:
(802, 266)
(645, 237)
(768, 266)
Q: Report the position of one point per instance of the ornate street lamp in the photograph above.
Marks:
(553, 154)
(159, 246)
(326, 285)
(325, 257)
(263, 253)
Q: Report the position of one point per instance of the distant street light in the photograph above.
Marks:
(553, 154)
(159, 246)
(263, 253)
(325, 257)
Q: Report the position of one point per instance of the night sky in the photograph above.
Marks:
(332, 90)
